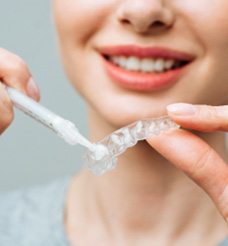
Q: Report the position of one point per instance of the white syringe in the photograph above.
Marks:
(101, 156)
(62, 127)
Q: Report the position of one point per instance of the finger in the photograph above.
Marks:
(6, 109)
(198, 160)
(199, 117)
(15, 73)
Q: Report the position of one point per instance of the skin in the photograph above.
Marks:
(158, 195)
(105, 24)
(15, 73)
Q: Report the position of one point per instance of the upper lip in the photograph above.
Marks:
(143, 52)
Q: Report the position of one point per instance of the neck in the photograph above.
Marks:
(147, 195)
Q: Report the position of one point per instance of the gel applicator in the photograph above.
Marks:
(101, 156)
(62, 127)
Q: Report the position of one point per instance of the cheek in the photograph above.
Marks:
(76, 20)
(208, 20)
(214, 33)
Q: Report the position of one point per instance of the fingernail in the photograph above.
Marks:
(182, 109)
(32, 89)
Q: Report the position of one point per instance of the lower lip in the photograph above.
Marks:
(139, 81)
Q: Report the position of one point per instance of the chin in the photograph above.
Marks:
(118, 114)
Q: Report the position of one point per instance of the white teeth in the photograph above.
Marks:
(133, 63)
(115, 59)
(122, 61)
(169, 63)
(159, 65)
(146, 65)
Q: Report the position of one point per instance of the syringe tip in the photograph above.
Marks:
(99, 151)
(67, 130)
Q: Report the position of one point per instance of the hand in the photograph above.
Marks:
(15, 73)
(194, 156)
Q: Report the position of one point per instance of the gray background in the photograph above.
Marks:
(30, 153)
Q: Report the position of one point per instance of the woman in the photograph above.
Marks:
(132, 60)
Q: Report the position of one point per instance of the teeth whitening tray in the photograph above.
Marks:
(101, 156)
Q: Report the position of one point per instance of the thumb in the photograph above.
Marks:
(198, 160)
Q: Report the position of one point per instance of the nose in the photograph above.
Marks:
(145, 16)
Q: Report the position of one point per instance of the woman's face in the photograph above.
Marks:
(164, 52)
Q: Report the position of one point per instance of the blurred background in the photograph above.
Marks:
(30, 153)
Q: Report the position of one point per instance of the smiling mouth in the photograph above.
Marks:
(146, 60)
(144, 69)
(146, 65)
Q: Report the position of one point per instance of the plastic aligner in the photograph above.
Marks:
(104, 155)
